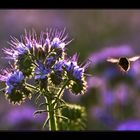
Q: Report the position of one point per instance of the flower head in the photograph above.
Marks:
(76, 74)
(12, 80)
(40, 71)
(57, 43)
(58, 73)
(18, 49)
(59, 66)
(15, 86)
(49, 62)
(74, 71)
(58, 39)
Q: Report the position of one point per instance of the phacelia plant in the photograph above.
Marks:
(40, 65)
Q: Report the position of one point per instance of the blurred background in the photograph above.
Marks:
(112, 100)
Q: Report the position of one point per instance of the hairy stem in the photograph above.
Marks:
(60, 91)
(51, 114)
(52, 108)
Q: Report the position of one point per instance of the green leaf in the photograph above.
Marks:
(76, 118)
(39, 112)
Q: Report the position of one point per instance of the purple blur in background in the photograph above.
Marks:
(133, 125)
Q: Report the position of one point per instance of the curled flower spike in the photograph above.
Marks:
(76, 75)
(72, 68)
(58, 73)
(15, 90)
(12, 80)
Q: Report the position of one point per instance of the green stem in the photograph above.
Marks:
(51, 115)
(59, 93)
(31, 86)
(51, 107)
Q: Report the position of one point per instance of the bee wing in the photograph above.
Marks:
(134, 58)
(113, 60)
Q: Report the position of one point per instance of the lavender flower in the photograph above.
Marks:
(107, 98)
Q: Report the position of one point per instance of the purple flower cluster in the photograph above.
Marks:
(43, 59)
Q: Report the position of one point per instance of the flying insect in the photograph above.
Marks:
(123, 62)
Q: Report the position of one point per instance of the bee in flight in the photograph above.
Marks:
(123, 62)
